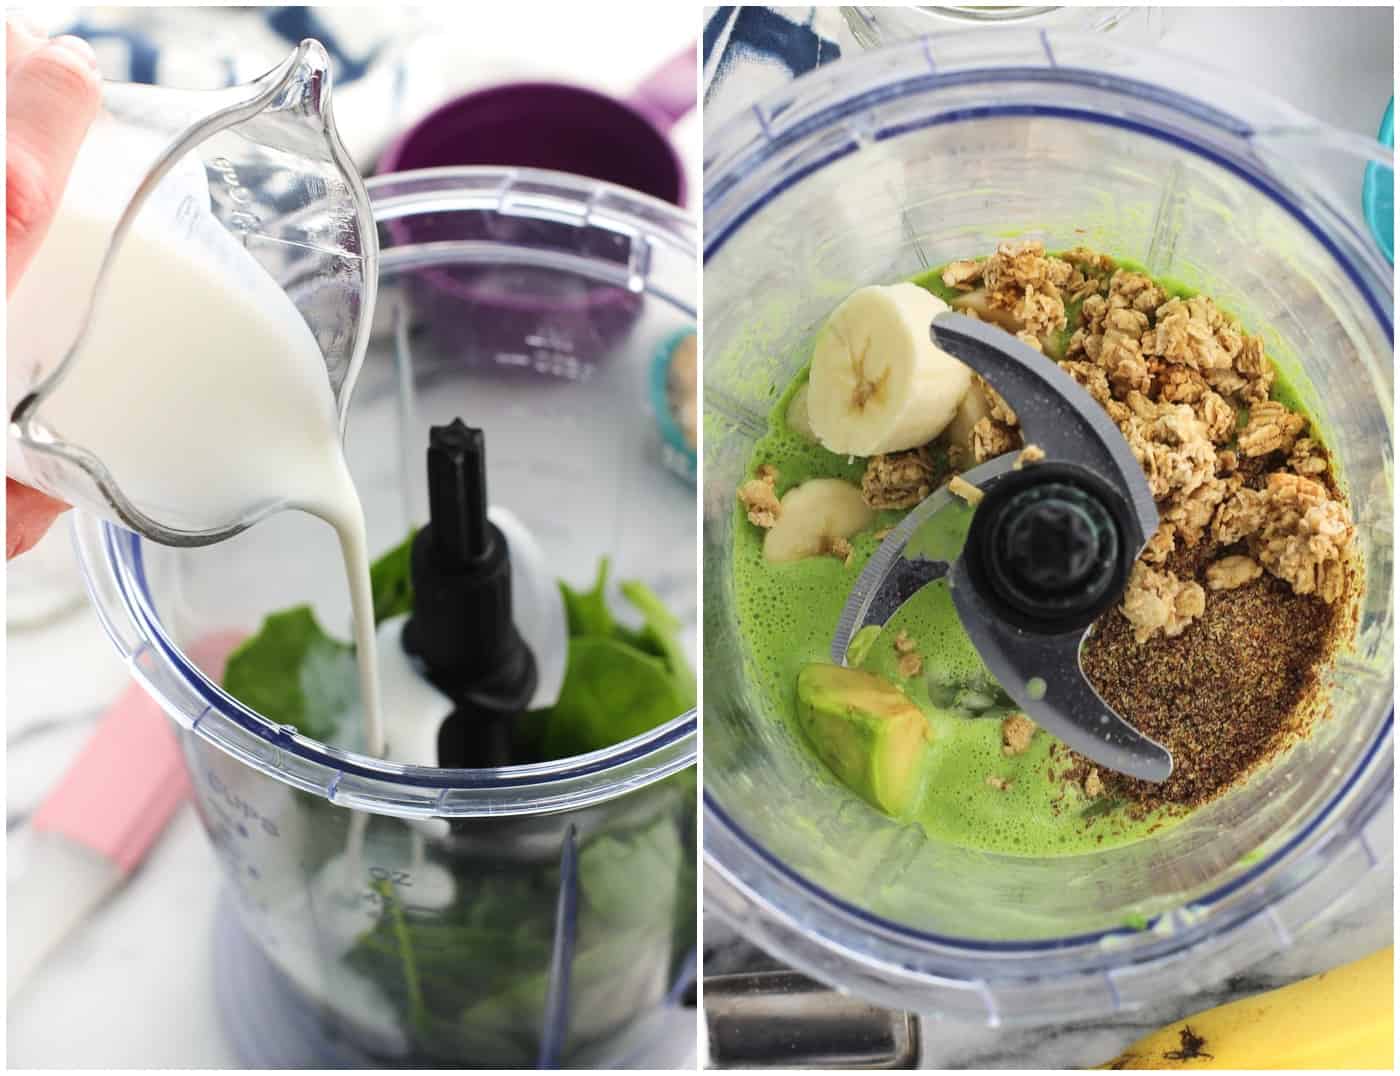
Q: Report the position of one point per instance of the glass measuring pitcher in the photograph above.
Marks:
(250, 183)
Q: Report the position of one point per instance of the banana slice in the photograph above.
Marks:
(799, 419)
(979, 302)
(878, 383)
(813, 517)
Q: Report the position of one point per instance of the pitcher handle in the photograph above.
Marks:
(668, 93)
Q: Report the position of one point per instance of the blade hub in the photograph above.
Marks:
(1046, 548)
(1049, 549)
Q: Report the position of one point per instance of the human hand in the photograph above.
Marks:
(53, 91)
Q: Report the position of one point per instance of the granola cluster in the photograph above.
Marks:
(1176, 375)
(1017, 731)
(991, 438)
(998, 431)
(911, 662)
(1185, 380)
(840, 548)
(900, 479)
(1231, 572)
(1271, 428)
(1294, 529)
(1024, 290)
(759, 496)
(1020, 280)
(961, 487)
(1029, 454)
(1160, 601)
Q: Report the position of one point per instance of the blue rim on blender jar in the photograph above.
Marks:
(889, 163)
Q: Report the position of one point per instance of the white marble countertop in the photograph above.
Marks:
(1337, 64)
(134, 986)
(1361, 924)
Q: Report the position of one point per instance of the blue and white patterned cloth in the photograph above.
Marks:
(391, 63)
(749, 51)
(198, 48)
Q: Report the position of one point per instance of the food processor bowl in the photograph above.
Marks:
(878, 168)
(539, 914)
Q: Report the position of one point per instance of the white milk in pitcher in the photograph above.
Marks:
(206, 401)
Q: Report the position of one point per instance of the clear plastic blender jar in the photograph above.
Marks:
(878, 168)
(529, 915)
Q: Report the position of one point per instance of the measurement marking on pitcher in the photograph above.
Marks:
(243, 218)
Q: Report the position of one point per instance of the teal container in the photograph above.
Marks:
(679, 456)
(1378, 191)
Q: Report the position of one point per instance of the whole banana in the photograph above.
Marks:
(1341, 1019)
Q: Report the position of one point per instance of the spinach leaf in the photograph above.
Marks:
(618, 682)
(293, 673)
(413, 989)
(1104, 805)
(611, 693)
(631, 880)
(391, 580)
(588, 612)
(661, 633)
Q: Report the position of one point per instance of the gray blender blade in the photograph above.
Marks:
(1033, 655)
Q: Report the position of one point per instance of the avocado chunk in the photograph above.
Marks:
(862, 642)
(868, 732)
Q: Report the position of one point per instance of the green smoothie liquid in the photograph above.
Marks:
(787, 615)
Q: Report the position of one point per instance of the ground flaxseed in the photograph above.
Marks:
(1223, 667)
(1231, 691)
(1224, 696)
